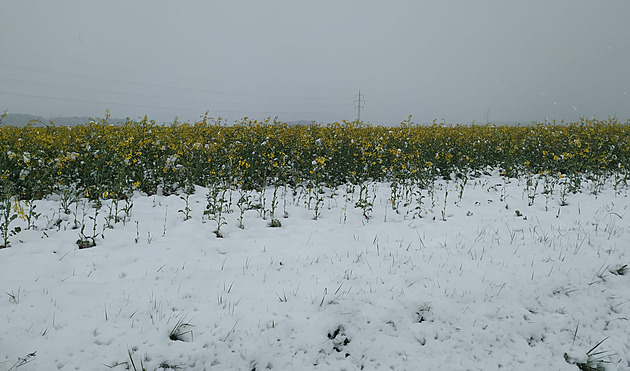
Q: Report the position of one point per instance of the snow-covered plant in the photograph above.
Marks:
(275, 223)
(348, 196)
(395, 196)
(8, 215)
(548, 186)
(285, 190)
(431, 192)
(67, 196)
(445, 201)
(531, 186)
(87, 241)
(14, 296)
(29, 214)
(132, 362)
(462, 186)
(594, 360)
(418, 197)
(126, 210)
(186, 210)
(424, 312)
(620, 270)
(564, 190)
(318, 195)
(242, 204)
(365, 201)
(22, 361)
(217, 206)
(181, 332)
(112, 216)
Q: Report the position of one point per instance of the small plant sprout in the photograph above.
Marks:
(22, 361)
(166, 365)
(230, 332)
(165, 221)
(275, 223)
(593, 361)
(321, 303)
(181, 332)
(620, 270)
(14, 297)
(133, 363)
(423, 312)
(283, 298)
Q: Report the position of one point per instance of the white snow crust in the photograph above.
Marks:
(484, 289)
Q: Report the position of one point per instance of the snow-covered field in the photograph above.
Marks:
(497, 285)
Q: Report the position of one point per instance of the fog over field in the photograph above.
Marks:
(457, 61)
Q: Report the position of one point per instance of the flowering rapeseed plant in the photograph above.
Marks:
(106, 161)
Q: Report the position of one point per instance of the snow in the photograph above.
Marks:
(484, 289)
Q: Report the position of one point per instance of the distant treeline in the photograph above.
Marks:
(23, 119)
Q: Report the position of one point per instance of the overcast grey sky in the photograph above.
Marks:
(434, 59)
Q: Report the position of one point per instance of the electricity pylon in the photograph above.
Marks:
(358, 101)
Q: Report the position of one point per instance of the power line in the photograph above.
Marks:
(127, 68)
(206, 101)
(244, 111)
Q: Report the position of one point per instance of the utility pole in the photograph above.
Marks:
(488, 116)
(358, 101)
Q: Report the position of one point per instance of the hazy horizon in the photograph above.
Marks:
(455, 61)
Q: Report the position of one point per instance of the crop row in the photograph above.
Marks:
(101, 160)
